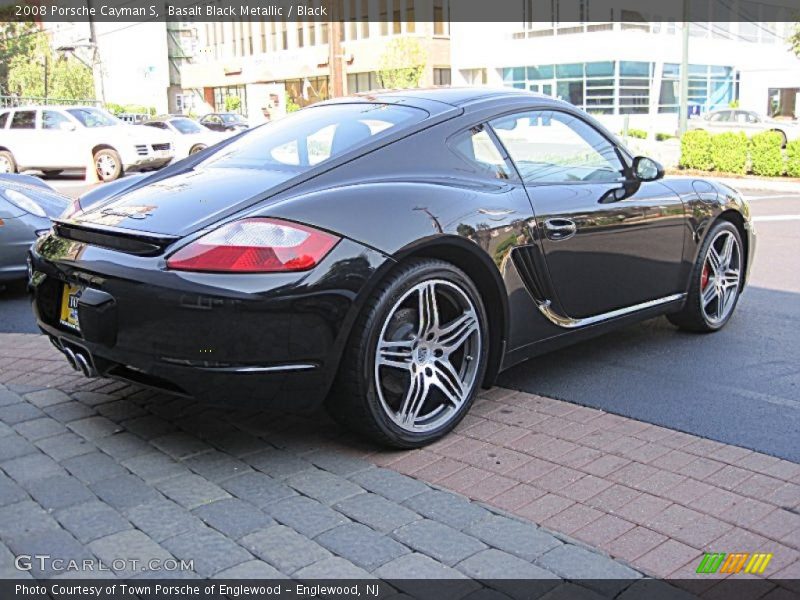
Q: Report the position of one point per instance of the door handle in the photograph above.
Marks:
(559, 229)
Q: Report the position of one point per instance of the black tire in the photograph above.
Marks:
(196, 149)
(355, 402)
(7, 162)
(111, 173)
(692, 317)
(52, 173)
(784, 139)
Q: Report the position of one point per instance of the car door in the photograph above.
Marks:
(609, 241)
(57, 133)
(721, 121)
(213, 122)
(20, 137)
(750, 123)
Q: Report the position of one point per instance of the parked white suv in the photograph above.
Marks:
(54, 138)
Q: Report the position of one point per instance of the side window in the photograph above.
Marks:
(23, 119)
(556, 147)
(53, 120)
(3, 119)
(752, 117)
(721, 116)
(157, 125)
(477, 148)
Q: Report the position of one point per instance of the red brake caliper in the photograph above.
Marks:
(704, 277)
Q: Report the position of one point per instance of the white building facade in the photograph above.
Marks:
(631, 71)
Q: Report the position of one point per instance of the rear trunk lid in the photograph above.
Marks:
(183, 203)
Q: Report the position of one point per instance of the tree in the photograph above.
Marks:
(232, 103)
(402, 64)
(794, 39)
(66, 77)
(16, 39)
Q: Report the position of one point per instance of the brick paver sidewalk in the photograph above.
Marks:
(167, 475)
(105, 471)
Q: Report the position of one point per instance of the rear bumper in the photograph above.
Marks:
(250, 340)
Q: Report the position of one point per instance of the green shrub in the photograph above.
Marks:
(232, 103)
(114, 108)
(639, 134)
(766, 157)
(696, 150)
(793, 158)
(729, 152)
(661, 137)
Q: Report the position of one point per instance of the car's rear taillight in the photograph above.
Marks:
(72, 209)
(256, 245)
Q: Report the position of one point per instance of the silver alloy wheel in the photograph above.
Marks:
(425, 369)
(106, 166)
(5, 165)
(720, 278)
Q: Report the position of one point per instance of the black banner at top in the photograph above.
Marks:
(523, 11)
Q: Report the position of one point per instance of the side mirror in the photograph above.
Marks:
(66, 126)
(647, 169)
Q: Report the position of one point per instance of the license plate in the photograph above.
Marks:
(69, 306)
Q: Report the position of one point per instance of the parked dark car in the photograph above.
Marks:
(225, 122)
(26, 206)
(387, 254)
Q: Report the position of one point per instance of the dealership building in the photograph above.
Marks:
(631, 71)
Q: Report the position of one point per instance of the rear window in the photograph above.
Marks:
(308, 137)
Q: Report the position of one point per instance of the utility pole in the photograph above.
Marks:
(683, 116)
(97, 65)
(46, 85)
(335, 66)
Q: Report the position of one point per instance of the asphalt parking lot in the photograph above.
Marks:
(740, 386)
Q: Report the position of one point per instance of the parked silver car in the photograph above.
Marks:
(746, 121)
(54, 138)
(26, 206)
(188, 136)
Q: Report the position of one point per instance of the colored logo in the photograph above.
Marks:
(719, 562)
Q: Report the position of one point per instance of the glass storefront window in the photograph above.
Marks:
(609, 87)
(238, 91)
(540, 72)
(569, 71)
(634, 69)
(600, 69)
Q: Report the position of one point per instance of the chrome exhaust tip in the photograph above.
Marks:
(84, 365)
(71, 358)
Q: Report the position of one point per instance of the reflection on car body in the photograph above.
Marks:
(388, 255)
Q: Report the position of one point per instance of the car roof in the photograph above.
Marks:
(49, 107)
(440, 99)
(455, 96)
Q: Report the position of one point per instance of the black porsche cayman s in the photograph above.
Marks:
(388, 254)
